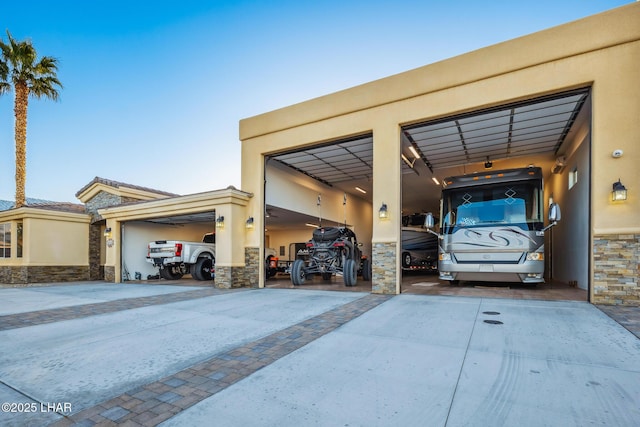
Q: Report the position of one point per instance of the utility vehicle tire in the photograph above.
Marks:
(406, 259)
(268, 270)
(170, 273)
(297, 272)
(366, 270)
(203, 269)
(350, 273)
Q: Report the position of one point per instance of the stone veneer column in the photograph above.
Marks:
(229, 277)
(240, 277)
(384, 268)
(95, 272)
(252, 267)
(616, 269)
(109, 273)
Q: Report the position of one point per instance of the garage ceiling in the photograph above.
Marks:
(344, 161)
(530, 131)
(208, 217)
(522, 129)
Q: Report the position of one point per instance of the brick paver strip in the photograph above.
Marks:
(627, 316)
(32, 318)
(158, 401)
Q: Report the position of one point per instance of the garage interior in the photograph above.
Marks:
(550, 131)
(137, 234)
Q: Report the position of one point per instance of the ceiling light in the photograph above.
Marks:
(414, 152)
(434, 179)
(308, 224)
(406, 160)
(361, 190)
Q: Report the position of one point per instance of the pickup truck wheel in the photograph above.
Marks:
(350, 273)
(297, 273)
(203, 269)
(169, 273)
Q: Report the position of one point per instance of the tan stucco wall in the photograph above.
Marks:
(50, 237)
(602, 50)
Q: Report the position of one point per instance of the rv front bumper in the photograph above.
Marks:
(527, 272)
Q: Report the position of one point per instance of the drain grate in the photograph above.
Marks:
(493, 322)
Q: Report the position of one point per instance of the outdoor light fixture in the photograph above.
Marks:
(488, 164)
(107, 232)
(383, 213)
(220, 222)
(619, 192)
(249, 223)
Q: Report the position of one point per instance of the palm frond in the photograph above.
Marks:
(24, 68)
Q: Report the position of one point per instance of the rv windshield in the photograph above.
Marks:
(489, 205)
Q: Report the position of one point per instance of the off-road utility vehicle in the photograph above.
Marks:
(332, 250)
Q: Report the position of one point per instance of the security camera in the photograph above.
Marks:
(617, 153)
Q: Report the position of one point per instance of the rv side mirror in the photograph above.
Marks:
(428, 221)
(554, 213)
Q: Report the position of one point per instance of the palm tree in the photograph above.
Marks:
(29, 76)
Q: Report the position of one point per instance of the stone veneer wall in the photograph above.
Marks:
(24, 275)
(105, 200)
(616, 269)
(240, 277)
(383, 258)
(252, 267)
(109, 273)
(229, 277)
(96, 272)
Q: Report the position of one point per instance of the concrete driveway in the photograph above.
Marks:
(158, 354)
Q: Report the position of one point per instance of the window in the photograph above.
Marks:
(573, 178)
(19, 240)
(515, 203)
(5, 240)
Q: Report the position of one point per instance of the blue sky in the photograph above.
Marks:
(154, 90)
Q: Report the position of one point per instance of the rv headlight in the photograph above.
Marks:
(535, 256)
(445, 256)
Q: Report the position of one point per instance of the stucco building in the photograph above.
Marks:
(565, 99)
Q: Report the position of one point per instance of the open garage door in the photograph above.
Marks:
(136, 235)
(326, 185)
(551, 132)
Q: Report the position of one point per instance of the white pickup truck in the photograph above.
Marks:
(176, 258)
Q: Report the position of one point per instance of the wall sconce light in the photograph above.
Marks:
(249, 223)
(107, 232)
(220, 222)
(619, 192)
(383, 213)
